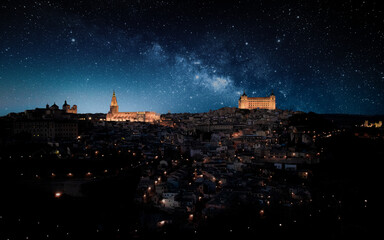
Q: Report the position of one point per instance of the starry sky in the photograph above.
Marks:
(193, 55)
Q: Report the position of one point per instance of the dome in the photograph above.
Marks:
(54, 107)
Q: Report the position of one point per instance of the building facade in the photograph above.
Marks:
(115, 115)
(246, 102)
(47, 129)
(68, 109)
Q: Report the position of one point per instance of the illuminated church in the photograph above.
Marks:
(246, 102)
(115, 115)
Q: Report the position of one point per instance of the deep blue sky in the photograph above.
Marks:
(192, 56)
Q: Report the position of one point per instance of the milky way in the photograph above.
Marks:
(192, 56)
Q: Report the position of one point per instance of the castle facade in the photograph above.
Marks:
(246, 102)
(115, 115)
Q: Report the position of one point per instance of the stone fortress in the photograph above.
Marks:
(246, 102)
(115, 115)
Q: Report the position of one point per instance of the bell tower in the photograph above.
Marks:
(114, 108)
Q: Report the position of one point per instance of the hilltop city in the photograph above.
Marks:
(251, 171)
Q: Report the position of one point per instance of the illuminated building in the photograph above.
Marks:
(246, 102)
(68, 109)
(115, 115)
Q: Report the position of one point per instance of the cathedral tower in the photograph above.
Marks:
(114, 108)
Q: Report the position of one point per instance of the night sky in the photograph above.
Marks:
(192, 56)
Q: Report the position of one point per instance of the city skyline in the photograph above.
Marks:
(191, 56)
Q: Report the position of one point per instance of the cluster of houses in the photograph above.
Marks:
(224, 158)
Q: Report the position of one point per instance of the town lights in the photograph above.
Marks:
(261, 212)
(161, 223)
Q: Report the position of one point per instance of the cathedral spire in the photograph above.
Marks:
(114, 108)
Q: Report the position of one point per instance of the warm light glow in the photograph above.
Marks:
(261, 212)
(57, 194)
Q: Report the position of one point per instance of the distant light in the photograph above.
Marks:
(58, 195)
